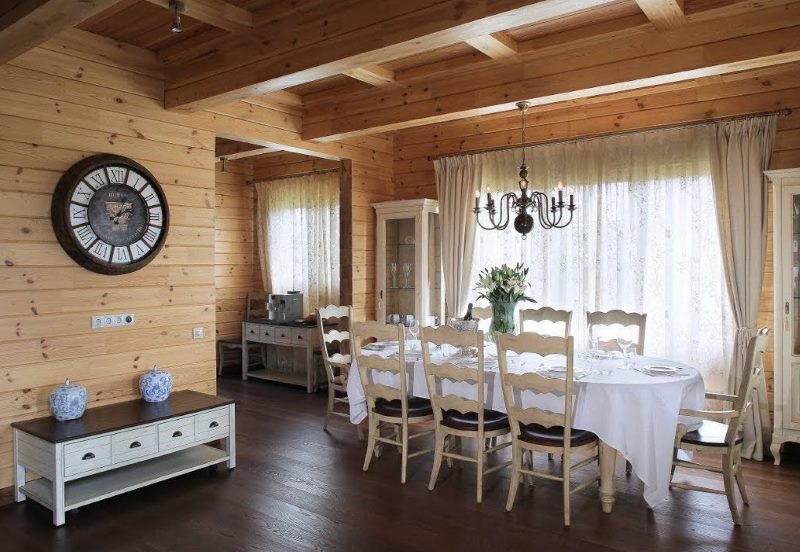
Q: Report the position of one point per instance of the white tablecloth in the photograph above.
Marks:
(633, 412)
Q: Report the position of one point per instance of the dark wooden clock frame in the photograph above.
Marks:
(59, 214)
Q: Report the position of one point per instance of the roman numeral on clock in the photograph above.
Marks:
(151, 235)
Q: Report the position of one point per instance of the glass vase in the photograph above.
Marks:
(503, 319)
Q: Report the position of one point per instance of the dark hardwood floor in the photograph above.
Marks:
(298, 488)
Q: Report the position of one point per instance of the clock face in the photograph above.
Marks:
(110, 214)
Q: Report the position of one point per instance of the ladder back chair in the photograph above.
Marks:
(388, 407)
(618, 318)
(484, 316)
(537, 430)
(720, 432)
(256, 307)
(334, 323)
(546, 314)
(458, 417)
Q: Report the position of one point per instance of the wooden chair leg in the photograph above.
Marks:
(730, 493)
(628, 468)
(331, 396)
(740, 477)
(550, 456)
(516, 464)
(529, 477)
(404, 452)
(360, 432)
(220, 358)
(373, 428)
(449, 445)
(481, 455)
(565, 486)
(459, 450)
(437, 459)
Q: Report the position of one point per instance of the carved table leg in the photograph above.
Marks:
(608, 461)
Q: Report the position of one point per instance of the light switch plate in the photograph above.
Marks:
(197, 333)
(112, 320)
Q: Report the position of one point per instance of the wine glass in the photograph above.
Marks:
(413, 329)
(406, 274)
(594, 342)
(625, 346)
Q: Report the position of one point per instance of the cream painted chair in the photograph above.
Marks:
(620, 320)
(255, 308)
(538, 430)
(484, 317)
(388, 407)
(457, 417)
(546, 314)
(334, 323)
(721, 430)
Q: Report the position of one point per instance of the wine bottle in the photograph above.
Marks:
(468, 316)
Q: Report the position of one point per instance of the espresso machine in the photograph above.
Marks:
(284, 307)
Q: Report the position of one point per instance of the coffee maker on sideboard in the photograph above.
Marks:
(285, 307)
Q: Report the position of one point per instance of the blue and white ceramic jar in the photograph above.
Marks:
(155, 385)
(68, 401)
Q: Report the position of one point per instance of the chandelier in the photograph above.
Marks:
(549, 213)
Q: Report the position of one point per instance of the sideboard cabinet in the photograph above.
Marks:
(786, 265)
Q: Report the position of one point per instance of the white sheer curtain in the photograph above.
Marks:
(644, 238)
(298, 237)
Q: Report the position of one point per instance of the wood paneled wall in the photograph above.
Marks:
(46, 298)
(746, 93)
(236, 266)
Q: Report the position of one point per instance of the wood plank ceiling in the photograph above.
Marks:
(343, 68)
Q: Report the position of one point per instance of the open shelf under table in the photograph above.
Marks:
(87, 490)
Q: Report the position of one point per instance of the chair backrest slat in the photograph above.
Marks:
(437, 373)
(362, 333)
(546, 314)
(618, 317)
(515, 385)
(751, 375)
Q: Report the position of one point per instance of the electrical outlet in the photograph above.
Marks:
(112, 320)
(197, 333)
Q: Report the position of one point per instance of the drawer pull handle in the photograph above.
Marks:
(213, 424)
(135, 444)
(88, 456)
(177, 434)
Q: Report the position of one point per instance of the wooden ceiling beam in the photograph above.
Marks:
(216, 13)
(372, 74)
(762, 38)
(297, 51)
(33, 22)
(231, 151)
(663, 14)
(496, 46)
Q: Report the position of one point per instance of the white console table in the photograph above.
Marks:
(295, 336)
(121, 447)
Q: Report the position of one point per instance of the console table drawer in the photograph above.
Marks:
(282, 334)
(302, 336)
(253, 331)
(268, 334)
(208, 425)
(87, 455)
(175, 433)
(134, 443)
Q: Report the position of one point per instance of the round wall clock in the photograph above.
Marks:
(110, 214)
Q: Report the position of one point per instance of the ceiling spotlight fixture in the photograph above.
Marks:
(178, 6)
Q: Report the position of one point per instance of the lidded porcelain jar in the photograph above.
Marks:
(155, 385)
(68, 401)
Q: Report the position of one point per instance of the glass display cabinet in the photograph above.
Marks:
(409, 262)
(786, 264)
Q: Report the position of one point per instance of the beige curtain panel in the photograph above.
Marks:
(298, 237)
(457, 181)
(743, 151)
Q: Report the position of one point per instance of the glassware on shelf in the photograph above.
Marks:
(406, 275)
(393, 272)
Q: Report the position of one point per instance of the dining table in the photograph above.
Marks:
(632, 403)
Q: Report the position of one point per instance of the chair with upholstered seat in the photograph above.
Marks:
(616, 323)
(720, 431)
(457, 417)
(334, 323)
(388, 407)
(546, 315)
(537, 430)
(256, 307)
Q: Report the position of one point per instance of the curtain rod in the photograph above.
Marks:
(309, 173)
(785, 112)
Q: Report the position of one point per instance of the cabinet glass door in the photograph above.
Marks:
(400, 276)
(795, 240)
(435, 306)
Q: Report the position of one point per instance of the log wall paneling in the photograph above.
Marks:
(236, 265)
(47, 299)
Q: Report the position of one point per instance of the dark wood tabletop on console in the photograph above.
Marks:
(119, 416)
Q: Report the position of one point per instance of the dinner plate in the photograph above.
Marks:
(380, 345)
(557, 369)
(655, 369)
